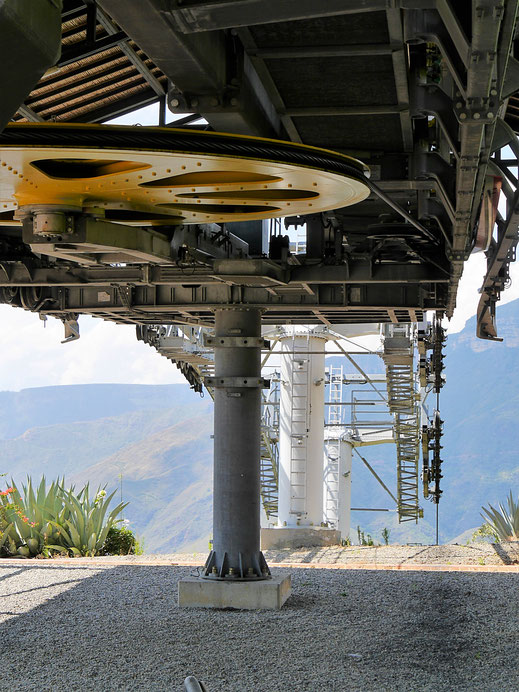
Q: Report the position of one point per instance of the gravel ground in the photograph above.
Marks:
(84, 626)
(479, 554)
(402, 555)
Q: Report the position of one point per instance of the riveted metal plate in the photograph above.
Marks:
(235, 342)
(236, 382)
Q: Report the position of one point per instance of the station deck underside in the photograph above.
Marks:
(421, 91)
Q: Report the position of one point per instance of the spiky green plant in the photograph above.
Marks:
(504, 522)
(54, 518)
(18, 534)
(84, 530)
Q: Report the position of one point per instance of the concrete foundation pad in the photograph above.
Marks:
(299, 537)
(267, 594)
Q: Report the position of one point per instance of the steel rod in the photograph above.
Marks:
(377, 477)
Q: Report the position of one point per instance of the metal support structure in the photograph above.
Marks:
(301, 429)
(236, 551)
(402, 402)
(269, 452)
(501, 250)
(30, 35)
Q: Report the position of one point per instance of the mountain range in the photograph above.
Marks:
(152, 444)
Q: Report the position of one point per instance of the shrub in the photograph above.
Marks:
(120, 540)
(484, 534)
(364, 539)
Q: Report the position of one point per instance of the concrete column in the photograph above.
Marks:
(301, 440)
(337, 481)
(344, 513)
(237, 409)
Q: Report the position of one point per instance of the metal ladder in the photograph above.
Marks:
(335, 383)
(332, 450)
(299, 427)
(269, 448)
(332, 443)
(268, 474)
(402, 389)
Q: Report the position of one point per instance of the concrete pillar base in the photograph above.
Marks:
(268, 594)
(300, 537)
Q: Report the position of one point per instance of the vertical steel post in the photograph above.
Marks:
(237, 418)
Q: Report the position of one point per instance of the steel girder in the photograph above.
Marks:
(30, 35)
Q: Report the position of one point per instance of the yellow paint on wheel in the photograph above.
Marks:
(185, 187)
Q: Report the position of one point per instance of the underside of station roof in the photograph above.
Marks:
(416, 102)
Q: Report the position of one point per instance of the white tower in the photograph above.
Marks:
(301, 428)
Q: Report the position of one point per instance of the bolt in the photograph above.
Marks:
(231, 571)
(194, 103)
(490, 115)
(234, 102)
(476, 116)
(214, 102)
(250, 572)
(214, 571)
(493, 92)
(459, 104)
(463, 116)
(175, 103)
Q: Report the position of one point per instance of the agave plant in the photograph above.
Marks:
(18, 534)
(54, 518)
(504, 522)
(84, 529)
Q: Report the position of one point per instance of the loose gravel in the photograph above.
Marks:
(87, 625)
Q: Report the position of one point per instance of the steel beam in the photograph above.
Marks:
(85, 49)
(302, 112)
(165, 304)
(268, 83)
(131, 54)
(223, 274)
(492, 32)
(400, 69)
(29, 44)
(204, 15)
(226, 92)
(194, 64)
(290, 52)
(501, 252)
(29, 114)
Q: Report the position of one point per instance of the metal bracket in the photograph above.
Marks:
(235, 341)
(71, 328)
(236, 382)
(484, 111)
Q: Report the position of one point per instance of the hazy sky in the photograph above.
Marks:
(32, 355)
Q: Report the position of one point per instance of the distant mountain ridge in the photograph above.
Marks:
(154, 443)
